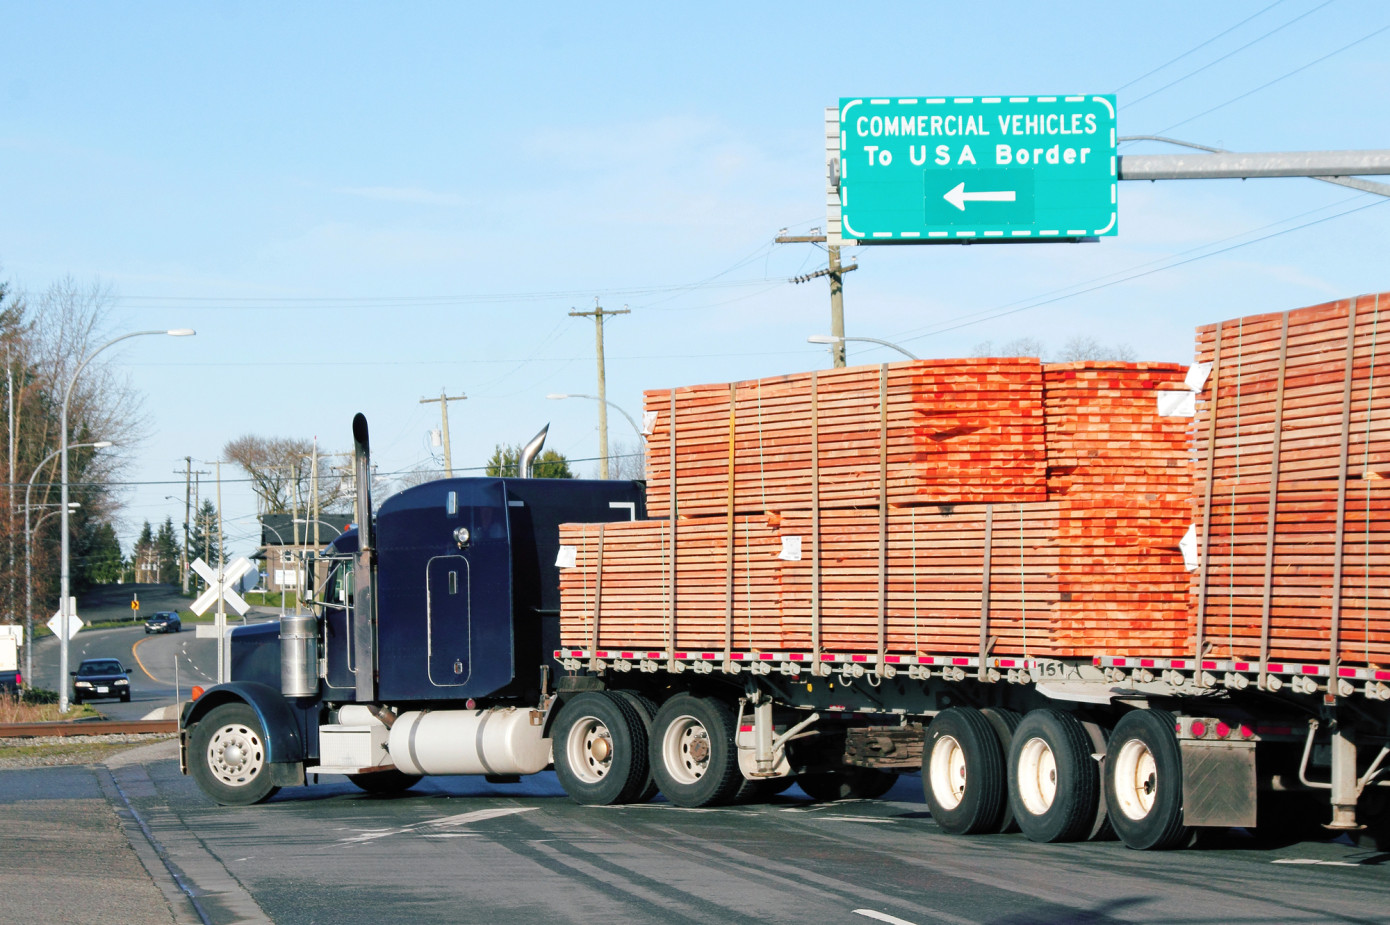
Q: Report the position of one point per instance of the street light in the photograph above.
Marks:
(833, 339)
(307, 521)
(64, 585)
(29, 554)
(558, 395)
(266, 526)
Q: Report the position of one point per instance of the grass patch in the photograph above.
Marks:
(40, 706)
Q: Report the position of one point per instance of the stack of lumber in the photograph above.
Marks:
(1120, 474)
(1292, 443)
(630, 599)
(938, 558)
(1036, 510)
(953, 431)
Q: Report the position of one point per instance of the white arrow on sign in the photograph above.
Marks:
(958, 197)
(222, 585)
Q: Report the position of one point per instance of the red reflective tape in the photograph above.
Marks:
(1276, 667)
(895, 659)
(827, 658)
(1148, 663)
(628, 655)
(1312, 669)
(1382, 675)
(682, 655)
(653, 655)
(1209, 665)
(766, 656)
(1347, 672)
(745, 728)
(1118, 662)
(859, 658)
(1006, 663)
(797, 657)
(601, 654)
(737, 656)
(709, 656)
(960, 661)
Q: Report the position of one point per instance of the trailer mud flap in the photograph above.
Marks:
(1218, 783)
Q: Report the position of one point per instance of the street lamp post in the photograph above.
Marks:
(65, 584)
(267, 526)
(836, 340)
(29, 554)
(641, 437)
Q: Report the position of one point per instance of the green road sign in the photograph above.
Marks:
(960, 169)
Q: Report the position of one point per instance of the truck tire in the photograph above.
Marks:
(1004, 722)
(847, 784)
(963, 772)
(646, 710)
(692, 751)
(1143, 781)
(1054, 784)
(389, 781)
(600, 749)
(227, 756)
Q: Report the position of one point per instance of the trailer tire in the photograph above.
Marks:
(391, 780)
(1054, 784)
(227, 756)
(1004, 722)
(850, 783)
(963, 772)
(692, 750)
(1143, 781)
(646, 710)
(600, 749)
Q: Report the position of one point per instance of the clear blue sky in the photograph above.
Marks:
(358, 204)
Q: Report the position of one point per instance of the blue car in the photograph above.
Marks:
(166, 621)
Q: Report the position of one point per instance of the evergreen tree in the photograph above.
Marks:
(105, 562)
(167, 552)
(506, 462)
(202, 538)
(143, 554)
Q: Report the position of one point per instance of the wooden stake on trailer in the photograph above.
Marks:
(1273, 514)
(1338, 556)
(1213, 383)
(982, 672)
(882, 517)
(815, 523)
(598, 602)
(671, 664)
(729, 534)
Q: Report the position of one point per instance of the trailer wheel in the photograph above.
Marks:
(1143, 781)
(851, 783)
(1054, 784)
(600, 749)
(1004, 722)
(693, 754)
(963, 772)
(227, 756)
(646, 710)
(391, 780)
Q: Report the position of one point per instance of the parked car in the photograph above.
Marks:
(100, 677)
(166, 621)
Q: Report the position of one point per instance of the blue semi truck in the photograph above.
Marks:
(434, 648)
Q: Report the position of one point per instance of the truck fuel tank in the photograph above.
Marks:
(499, 741)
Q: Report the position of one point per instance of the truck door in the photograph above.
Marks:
(450, 631)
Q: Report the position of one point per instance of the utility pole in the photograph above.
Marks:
(598, 315)
(836, 273)
(444, 400)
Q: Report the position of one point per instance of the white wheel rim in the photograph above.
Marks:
(236, 755)
(1136, 780)
(1037, 776)
(589, 748)
(685, 749)
(947, 772)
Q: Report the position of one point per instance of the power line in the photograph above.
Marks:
(1197, 47)
(1229, 54)
(1135, 276)
(1262, 86)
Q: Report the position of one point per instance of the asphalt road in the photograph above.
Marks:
(162, 667)
(462, 850)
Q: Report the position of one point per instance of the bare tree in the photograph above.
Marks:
(281, 471)
(1018, 347)
(627, 461)
(1077, 349)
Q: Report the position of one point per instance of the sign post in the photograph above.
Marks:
(970, 169)
(221, 589)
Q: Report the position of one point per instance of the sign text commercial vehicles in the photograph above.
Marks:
(436, 649)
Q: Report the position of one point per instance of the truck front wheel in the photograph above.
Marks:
(600, 749)
(963, 772)
(1054, 785)
(692, 751)
(1143, 781)
(228, 756)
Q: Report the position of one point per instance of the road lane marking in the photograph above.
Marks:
(447, 822)
(883, 917)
